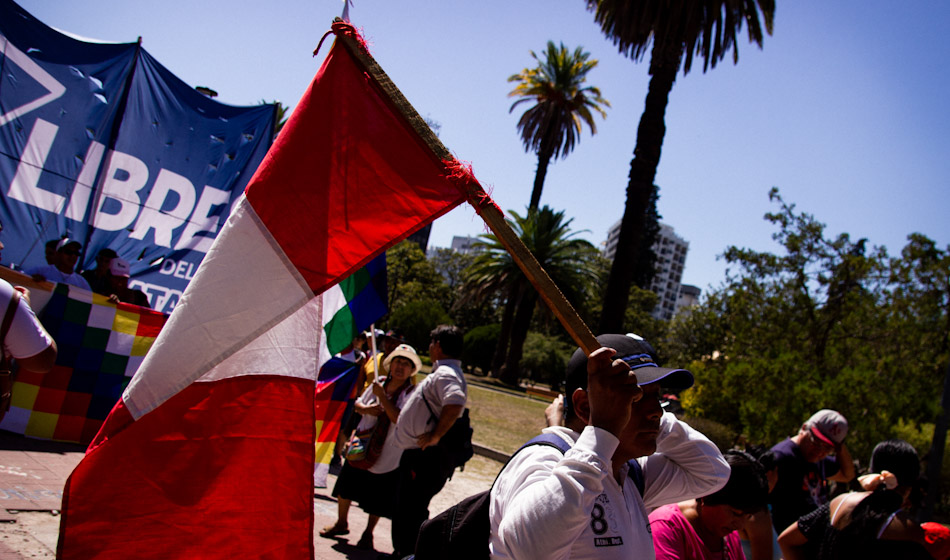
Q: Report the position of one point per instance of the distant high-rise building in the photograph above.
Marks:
(463, 244)
(670, 252)
(689, 296)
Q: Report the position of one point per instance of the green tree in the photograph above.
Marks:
(825, 322)
(673, 32)
(547, 234)
(416, 319)
(920, 304)
(412, 277)
(545, 359)
(479, 347)
(551, 127)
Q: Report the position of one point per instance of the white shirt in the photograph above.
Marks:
(444, 386)
(388, 459)
(53, 274)
(26, 337)
(553, 506)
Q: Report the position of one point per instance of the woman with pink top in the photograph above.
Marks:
(706, 528)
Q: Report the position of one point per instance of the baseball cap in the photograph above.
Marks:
(640, 355)
(64, 242)
(830, 426)
(404, 351)
(119, 267)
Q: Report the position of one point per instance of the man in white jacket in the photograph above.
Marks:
(584, 503)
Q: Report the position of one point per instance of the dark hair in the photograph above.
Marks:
(764, 455)
(747, 488)
(450, 339)
(898, 457)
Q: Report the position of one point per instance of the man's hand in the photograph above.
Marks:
(24, 294)
(428, 439)
(554, 413)
(611, 390)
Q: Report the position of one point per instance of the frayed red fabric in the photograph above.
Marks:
(462, 175)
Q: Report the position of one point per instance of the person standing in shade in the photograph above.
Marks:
(63, 269)
(432, 408)
(373, 486)
(805, 467)
(119, 284)
(98, 278)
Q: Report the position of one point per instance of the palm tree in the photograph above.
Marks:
(280, 115)
(552, 126)
(567, 260)
(677, 30)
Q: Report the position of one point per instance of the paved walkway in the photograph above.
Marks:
(33, 473)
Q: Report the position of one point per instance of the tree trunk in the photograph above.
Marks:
(664, 64)
(501, 346)
(544, 158)
(519, 332)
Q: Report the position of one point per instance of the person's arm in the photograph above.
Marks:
(758, 531)
(541, 502)
(389, 407)
(686, 465)
(845, 465)
(26, 323)
(450, 413)
(792, 542)
(42, 362)
(366, 405)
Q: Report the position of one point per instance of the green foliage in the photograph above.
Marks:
(480, 346)
(723, 436)
(551, 127)
(561, 100)
(545, 359)
(416, 319)
(451, 266)
(824, 323)
(494, 274)
(706, 29)
(412, 277)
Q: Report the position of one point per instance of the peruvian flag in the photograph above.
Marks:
(210, 451)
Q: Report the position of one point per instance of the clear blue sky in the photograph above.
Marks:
(845, 109)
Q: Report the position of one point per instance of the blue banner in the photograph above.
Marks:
(101, 143)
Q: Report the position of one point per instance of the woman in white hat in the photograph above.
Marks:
(369, 474)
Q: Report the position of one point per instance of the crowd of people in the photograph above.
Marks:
(391, 456)
(110, 277)
(635, 481)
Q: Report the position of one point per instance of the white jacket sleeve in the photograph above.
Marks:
(541, 502)
(686, 465)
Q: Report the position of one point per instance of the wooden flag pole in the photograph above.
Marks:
(479, 199)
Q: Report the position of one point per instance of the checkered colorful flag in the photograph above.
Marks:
(101, 345)
(336, 383)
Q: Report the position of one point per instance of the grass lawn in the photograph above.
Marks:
(502, 420)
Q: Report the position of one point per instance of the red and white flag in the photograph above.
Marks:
(209, 453)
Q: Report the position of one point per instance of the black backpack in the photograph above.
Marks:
(456, 444)
(462, 532)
